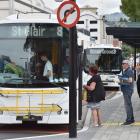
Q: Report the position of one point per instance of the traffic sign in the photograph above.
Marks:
(68, 14)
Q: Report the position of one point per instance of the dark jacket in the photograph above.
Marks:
(138, 85)
(98, 94)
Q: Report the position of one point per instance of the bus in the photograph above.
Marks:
(108, 59)
(26, 95)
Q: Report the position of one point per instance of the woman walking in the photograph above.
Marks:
(96, 94)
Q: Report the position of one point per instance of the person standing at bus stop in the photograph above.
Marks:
(95, 94)
(126, 82)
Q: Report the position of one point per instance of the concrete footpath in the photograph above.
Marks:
(113, 115)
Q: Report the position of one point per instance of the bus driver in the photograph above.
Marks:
(48, 69)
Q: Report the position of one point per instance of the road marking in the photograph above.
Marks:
(119, 124)
(79, 131)
(45, 136)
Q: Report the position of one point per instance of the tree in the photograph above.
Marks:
(127, 51)
(132, 9)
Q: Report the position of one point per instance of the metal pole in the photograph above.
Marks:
(72, 84)
(79, 67)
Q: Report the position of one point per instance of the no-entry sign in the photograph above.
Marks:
(68, 14)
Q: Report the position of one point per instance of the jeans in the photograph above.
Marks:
(128, 105)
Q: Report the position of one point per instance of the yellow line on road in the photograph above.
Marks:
(119, 123)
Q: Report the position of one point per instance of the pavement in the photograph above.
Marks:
(113, 115)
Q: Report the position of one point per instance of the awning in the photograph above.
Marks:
(126, 32)
(129, 33)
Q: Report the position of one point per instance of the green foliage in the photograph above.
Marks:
(138, 50)
(127, 51)
(132, 9)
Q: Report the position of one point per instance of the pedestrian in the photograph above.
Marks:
(126, 82)
(95, 94)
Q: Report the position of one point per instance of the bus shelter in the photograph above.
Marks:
(129, 33)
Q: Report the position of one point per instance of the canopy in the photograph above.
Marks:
(128, 32)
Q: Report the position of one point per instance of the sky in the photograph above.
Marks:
(105, 6)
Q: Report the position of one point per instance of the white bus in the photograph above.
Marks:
(109, 60)
(25, 95)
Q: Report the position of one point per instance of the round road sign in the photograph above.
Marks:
(68, 14)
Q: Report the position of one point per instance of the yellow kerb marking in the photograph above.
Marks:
(119, 124)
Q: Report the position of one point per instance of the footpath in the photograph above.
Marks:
(113, 115)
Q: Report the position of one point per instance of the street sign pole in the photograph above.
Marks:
(73, 93)
(68, 14)
(72, 81)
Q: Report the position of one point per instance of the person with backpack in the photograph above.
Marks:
(95, 94)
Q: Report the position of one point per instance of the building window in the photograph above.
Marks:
(93, 30)
(80, 22)
(94, 37)
(93, 22)
(84, 31)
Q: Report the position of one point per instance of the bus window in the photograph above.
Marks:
(30, 41)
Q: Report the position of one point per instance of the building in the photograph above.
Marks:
(9, 7)
(95, 24)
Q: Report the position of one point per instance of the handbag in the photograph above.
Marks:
(84, 95)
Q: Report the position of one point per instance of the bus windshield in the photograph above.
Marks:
(23, 48)
(107, 59)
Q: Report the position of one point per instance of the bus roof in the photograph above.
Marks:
(30, 18)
